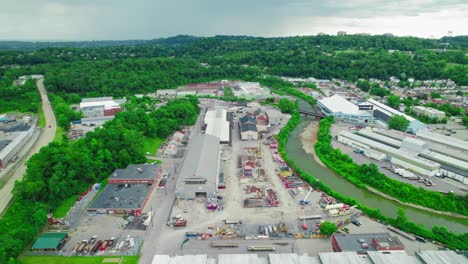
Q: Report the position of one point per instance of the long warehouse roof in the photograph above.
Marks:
(450, 141)
(217, 124)
(389, 110)
(394, 151)
(381, 138)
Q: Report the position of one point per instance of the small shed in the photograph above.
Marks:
(50, 241)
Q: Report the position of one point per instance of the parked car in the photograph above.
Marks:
(162, 184)
(166, 175)
(356, 222)
(345, 229)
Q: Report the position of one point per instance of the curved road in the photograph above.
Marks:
(46, 136)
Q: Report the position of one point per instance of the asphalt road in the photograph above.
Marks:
(46, 136)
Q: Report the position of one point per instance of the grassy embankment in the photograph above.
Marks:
(76, 260)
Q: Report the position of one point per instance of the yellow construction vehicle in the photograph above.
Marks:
(283, 228)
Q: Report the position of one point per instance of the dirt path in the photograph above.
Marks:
(46, 136)
(309, 138)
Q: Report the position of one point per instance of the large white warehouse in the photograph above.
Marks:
(217, 125)
(344, 110)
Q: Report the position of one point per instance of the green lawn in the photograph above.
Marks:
(73, 260)
(151, 145)
(41, 120)
(59, 134)
(64, 207)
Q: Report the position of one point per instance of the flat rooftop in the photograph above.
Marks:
(337, 104)
(107, 102)
(117, 196)
(136, 171)
(350, 242)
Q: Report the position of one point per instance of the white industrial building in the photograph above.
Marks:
(201, 168)
(344, 110)
(399, 157)
(217, 125)
(100, 106)
(13, 147)
(453, 161)
(384, 112)
(249, 89)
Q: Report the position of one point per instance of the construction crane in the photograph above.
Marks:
(305, 201)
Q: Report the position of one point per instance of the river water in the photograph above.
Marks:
(388, 207)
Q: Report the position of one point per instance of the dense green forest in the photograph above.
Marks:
(61, 170)
(21, 98)
(343, 57)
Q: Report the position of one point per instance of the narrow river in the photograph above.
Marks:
(339, 184)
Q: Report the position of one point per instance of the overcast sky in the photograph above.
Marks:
(147, 19)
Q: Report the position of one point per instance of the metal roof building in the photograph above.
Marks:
(280, 258)
(399, 157)
(383, 112)
(344, 110)
(241, 259)
(218, 125)
(342, 258)
(368, 133)
(449, 141)
(201, 167)
(393, 258)
(441, 257)
(50, 241)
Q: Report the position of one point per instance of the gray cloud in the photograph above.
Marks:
(144, 19)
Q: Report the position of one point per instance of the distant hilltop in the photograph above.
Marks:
(186, 39)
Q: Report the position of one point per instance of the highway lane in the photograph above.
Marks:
(46, 136)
